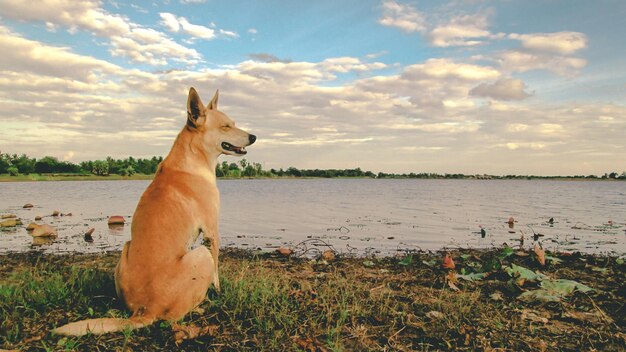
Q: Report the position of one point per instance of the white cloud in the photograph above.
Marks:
(561, 43)
(448, 69)
(169, 21)
(520, 61)
(24, 55)
(194, 30)
(402, 16)
(186, 2)
(181, 24)
(127, 39)
(465, 30)
(502, 89)
(253, 31)
(347, 64)
(230, 34)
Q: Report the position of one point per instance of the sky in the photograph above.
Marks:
(496, 87)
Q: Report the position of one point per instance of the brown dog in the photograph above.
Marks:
(158, 275)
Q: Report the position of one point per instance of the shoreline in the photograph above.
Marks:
(142, 177)
(493, 298)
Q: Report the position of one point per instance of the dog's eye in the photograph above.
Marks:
(226, 127)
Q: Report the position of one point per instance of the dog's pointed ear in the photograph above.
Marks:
(195, 109)
(213, 103)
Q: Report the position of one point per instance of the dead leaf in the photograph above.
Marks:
(496, 296)
(448, 263)
(433, 314)
(328, 255)
(594, 317)
(541, 255)
(188, 332)
(521, 254)
(453, 286)
(532, 316)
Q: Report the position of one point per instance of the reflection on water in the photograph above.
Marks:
(360, 215)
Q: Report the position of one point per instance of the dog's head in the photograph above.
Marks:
(218, 131)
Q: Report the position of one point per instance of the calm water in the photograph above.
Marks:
(353, 215)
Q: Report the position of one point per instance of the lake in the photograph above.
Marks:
(361, 216)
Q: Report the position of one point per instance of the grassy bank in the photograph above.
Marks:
(269, 302)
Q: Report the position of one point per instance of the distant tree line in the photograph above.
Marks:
(22, 164)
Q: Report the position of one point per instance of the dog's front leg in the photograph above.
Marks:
(212, 237)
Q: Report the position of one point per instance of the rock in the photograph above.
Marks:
(88, 237)
(10, 222)
(56, 213)
(116, 220)
(328, 255)
(66, 214)
(37, 218)
(8, 216)
(44, 231)
(27, 205)
(32, 226)
(284, 251)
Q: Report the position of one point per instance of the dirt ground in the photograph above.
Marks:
(500, 299)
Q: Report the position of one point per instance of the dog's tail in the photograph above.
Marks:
(101, 326)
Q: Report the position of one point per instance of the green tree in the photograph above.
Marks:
(24, 164)
(100, 167)
(46, 165)
(4, 163)
(13, 171)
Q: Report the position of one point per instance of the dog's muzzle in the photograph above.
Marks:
(234, 149)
